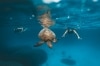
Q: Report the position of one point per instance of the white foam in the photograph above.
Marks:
(47, 1)
(95, 0)
(56, 1)
(50, 1)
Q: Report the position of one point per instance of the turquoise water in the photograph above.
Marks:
(16, 47)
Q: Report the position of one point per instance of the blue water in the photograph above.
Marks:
(16, 48)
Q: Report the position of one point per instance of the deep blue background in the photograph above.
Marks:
(16, 49)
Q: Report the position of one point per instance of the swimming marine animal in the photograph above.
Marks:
(46, 36)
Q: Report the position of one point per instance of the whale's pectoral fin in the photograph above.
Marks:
(39, 43)
(49, 44)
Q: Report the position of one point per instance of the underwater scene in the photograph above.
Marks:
(49, 32)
